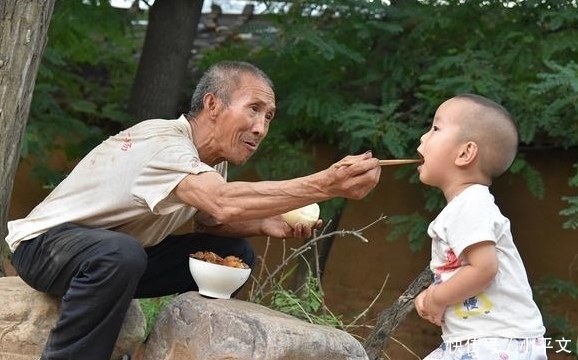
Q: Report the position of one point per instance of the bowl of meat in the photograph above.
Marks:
(218, 277)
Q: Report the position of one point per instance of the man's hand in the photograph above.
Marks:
(354, 176)
(277, 228)
(273, 226)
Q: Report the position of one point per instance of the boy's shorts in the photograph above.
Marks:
(491, 348)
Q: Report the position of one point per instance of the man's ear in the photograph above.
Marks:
(467, 154)
(211, 104)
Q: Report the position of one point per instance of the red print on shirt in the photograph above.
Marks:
(126, 143)
(452, 262)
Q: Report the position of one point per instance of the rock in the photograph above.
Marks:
(27, 315)
(193, 327)
(190, 327)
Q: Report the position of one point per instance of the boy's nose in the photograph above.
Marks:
(422, 138)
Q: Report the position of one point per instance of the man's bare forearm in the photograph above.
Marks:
(235, 229)
(239, 201)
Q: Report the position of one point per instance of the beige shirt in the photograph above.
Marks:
(124, 184)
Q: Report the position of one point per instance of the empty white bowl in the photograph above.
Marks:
(217, 281)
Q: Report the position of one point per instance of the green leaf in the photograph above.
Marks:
(84, 106)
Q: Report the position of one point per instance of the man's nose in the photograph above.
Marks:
(260, 126)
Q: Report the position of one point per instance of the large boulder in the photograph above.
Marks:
(193, 327)
(27, 315)
(190, 327)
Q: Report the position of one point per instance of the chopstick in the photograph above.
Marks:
(399, 161)
(385, 162)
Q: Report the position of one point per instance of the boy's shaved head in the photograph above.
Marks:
(493, 129)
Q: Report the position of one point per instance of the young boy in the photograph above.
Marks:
(481, 297)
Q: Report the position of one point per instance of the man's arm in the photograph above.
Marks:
(241, 201)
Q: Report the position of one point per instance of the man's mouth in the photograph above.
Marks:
(252, 145)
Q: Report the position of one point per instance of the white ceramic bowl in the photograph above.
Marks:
(217, 281)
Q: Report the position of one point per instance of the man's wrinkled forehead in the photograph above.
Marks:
(258, 88)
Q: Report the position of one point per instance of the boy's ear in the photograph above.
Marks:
(467, 153)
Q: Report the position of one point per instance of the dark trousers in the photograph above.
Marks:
(98, 272)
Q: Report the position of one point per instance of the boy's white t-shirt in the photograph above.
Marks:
(124, 184)
(505, 308)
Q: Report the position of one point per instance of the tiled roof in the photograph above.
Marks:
(216, 27)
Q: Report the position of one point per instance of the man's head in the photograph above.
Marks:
(222, 79)
(231, 110)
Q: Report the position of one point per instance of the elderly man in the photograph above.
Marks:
(105, 234)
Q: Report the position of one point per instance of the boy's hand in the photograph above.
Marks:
(433, 310)
(419, 306)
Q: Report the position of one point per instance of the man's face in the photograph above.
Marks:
(245, 122)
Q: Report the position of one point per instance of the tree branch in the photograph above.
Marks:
(390, 318)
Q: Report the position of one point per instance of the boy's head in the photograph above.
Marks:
(472, 135)
(492, 127)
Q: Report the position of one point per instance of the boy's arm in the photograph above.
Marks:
(469, 281)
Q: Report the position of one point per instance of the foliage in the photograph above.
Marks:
(367, 75)
(559, 327)
(269, 286)
(151, 307)
(413, 226)
(558, 86)
(84, 77)
(572, 211)
(305, 303)
(348, 74)
(531, 175)
(355, 75)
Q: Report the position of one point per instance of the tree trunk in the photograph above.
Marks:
(390, 318)
(23, 28)
(162, 69)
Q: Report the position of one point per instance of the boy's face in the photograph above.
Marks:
(440, 146)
